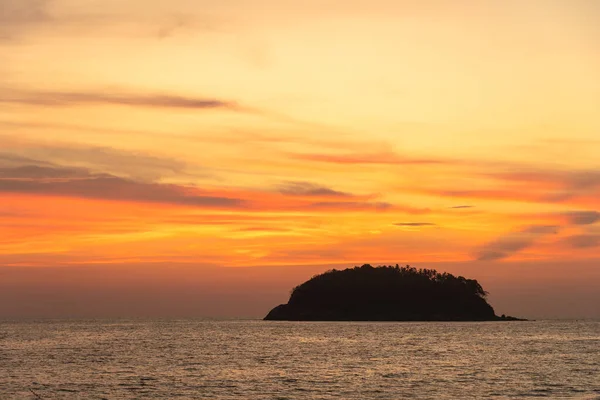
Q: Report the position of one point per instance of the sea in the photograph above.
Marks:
(253, 359)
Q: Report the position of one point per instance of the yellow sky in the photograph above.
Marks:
(266, 133)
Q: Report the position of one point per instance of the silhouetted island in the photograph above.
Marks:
(387, 293)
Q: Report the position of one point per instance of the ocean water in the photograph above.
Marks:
(195, 359)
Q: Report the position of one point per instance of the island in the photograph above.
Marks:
(387, 293)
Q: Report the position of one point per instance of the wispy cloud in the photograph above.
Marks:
(414, 224)
(35, 172)
(514, 242)
(14, 160)
(536, 186)
(554, 186)
(367, 158)
(19, 17)
(462, 207)
(487, 194)
(541, 229)
(351, 206)
(583, 217)
(16, 15)
(176, 24)
(108, 97)
(263, 229)
(581, 179)
(133, 164)
(583, 241)
(309, 189)
(125, 163)
(56, 181)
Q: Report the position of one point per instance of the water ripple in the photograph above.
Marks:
(256, 360)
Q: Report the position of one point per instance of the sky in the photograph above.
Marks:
(201, 158)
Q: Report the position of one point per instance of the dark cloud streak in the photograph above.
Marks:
(583, 217)
(351, 206)
(134, 164)
(62, 99)
(309, 189)
(583, 241)
(514, 242)
(84, 184)
(415, 224)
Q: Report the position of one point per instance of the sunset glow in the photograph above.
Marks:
(276, 134)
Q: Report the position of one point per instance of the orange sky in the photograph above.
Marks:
(277, 133)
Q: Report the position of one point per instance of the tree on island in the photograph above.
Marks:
(387, 293)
